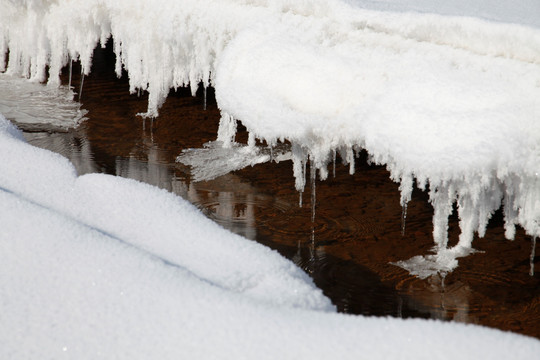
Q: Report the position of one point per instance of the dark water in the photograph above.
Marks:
(357, 229)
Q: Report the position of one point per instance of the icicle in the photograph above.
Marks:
(350, 160)
(405, 187)
(118, 61)
(271, 153)
(251, 140)
(82, 82)
(403, 218)
(442, 205)
(70, 71)
(299, 169)
(468, 220)
(533, 250)
(334, 162)
(226, 130)
(323, 172)
(510, 216)
(313, 178)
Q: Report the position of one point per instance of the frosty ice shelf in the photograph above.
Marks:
(448, 101)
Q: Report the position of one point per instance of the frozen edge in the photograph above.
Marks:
(47, 35)
(477, 195)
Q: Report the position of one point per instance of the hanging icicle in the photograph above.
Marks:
(226, 130)
(70, 71)
(403, 218)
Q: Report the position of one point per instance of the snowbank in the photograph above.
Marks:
(96, 266)
(445, 94)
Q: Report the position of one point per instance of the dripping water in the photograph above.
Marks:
(533, 250)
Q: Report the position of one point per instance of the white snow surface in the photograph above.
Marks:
(445, 93)
(97, 266)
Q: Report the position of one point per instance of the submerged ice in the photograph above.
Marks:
(448, 101)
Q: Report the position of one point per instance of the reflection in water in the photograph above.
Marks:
(72, 145)
(444, 302)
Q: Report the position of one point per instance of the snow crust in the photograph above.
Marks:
(96, 266)
(444, 93)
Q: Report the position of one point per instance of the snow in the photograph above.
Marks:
(444, 93)
(97, 266)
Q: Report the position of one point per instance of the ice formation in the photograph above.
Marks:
(445, 94)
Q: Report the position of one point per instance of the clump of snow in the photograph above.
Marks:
(97, 266)
(445, 94)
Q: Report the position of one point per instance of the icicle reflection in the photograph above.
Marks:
(204, 98)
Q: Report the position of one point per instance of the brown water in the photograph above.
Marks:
(357, 229)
